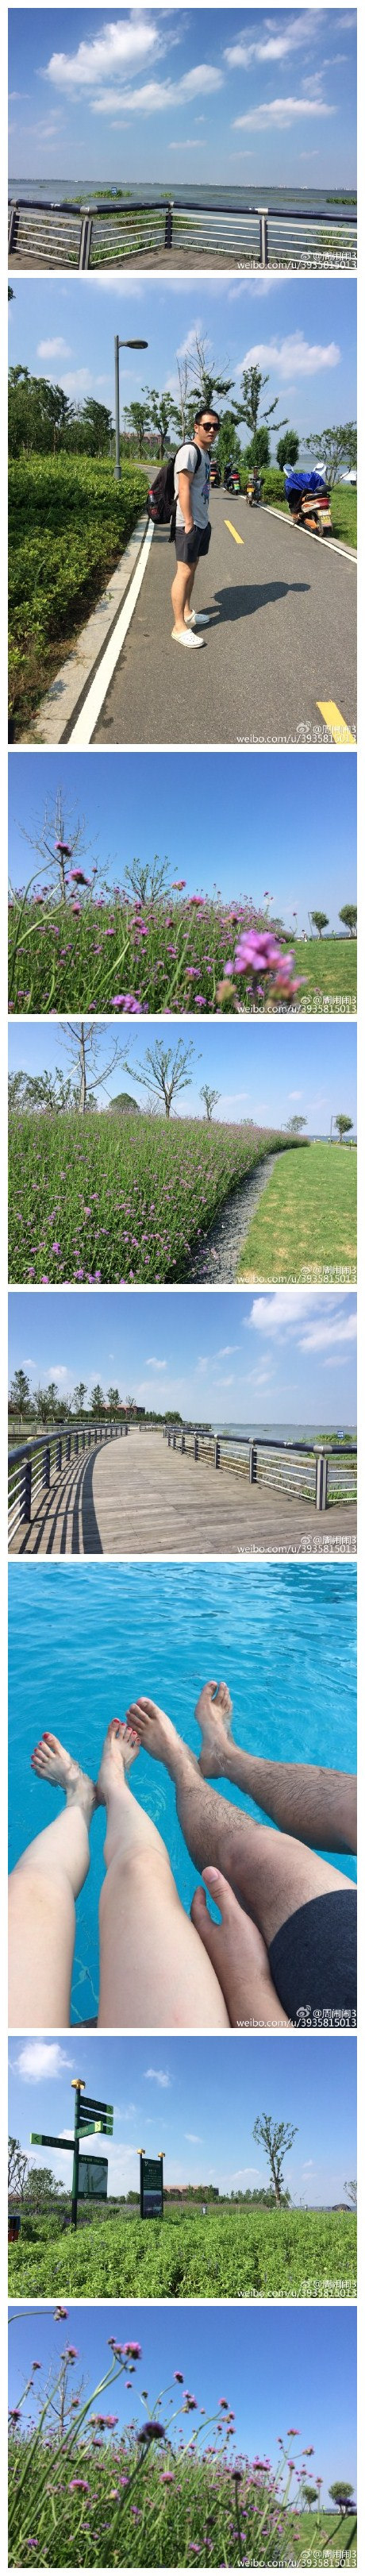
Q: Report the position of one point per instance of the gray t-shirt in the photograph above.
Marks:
(199, 488)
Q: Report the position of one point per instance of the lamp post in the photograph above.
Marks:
(121, 344)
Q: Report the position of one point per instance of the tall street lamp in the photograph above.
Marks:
(121, 344)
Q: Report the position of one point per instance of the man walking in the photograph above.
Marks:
(192, 524)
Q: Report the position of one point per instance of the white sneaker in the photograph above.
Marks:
(194, 641)
(197, 618)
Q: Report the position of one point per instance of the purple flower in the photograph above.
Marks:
(151, 2433)
(79, 2482)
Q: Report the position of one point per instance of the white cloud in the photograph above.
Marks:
(157, 1364)
(155, 2075)
(281, 112)
(53, 349)
(227, 1351)
(192, 2140)
(123, 46)
(76, 384)
(155, 95)
(40, 2059)
(325, 1336)
(271, 48)
(292, 356)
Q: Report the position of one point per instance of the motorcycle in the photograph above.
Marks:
(254, 489)
(231, 478)
(309, 501)
(215, 475)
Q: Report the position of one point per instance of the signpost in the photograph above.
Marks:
(151, 2197)
(92, 2120)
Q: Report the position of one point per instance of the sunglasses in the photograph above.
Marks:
(210, 425)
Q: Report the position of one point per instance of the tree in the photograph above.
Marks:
(349, 916)
(160, 409)
(228, 445)
(98, 418)
(113, 1398)
(258, 451)
(41, 2183)
(343, 1124)
(52, 1399)
(295, 1125)
(336, 447)
(148, 883)
(276, 2137)
(310, 2495)
(138, 415)
(58, 846)
(20, 1392)
(79, 1393)
(351, 2187)
(249, 402)
(82, 1045)
(341, 2491)
(17, 2168)
(210, 1098)
(206, 379)
(320, 921)
(287, 451)
(97, 1401)
(123, 1105)
(166, 1071)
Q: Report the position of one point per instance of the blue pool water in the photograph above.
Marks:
(85, 1640)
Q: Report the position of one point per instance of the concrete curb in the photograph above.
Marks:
(57, 712)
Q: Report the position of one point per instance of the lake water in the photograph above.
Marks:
(85, 1640)
(281, 200)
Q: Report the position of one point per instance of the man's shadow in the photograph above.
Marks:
(241, 601)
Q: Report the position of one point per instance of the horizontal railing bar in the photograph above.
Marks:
(191, 205)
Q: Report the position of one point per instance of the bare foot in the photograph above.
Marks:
(158, 1735)
(239, 1956)
(53, 1763)
(120, 1749)
(213, 1714)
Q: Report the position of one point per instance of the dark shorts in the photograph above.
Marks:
(313, 1958)
(189, 548)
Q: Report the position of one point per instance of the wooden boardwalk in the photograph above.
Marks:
(137, 1497)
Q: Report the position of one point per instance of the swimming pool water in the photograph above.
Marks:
(84, 1640)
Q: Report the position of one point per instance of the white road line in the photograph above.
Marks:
(84, 728)
(349, 552)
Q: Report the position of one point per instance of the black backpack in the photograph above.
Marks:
(161, 498)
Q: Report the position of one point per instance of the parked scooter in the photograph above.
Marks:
(231, 478)
(309, 501)
(254, 489)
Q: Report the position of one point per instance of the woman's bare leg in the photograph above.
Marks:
(239, 1957)
(42, 1892)
(270, 1873)
(317, 1806)
(153, 1969)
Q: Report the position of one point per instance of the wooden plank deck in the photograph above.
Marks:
(137, 1497)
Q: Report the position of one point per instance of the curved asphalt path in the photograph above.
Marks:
(282, 639)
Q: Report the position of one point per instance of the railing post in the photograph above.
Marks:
(76, 1444)
(251, 1463)
(26, 1509)
(12, 226)
(217, 1453)
(320, 1504)
(168, 225)
(126, 1428)
(58, 1457)
(325, 1483)
(196, 1445)
(68, 1445)
(183, 1444)
(264, 262)
(174, 1439)
(89, 1438)
(95, 1436)
(46, 1475)
(83, 1438)
(85, 242)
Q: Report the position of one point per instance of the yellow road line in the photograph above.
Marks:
(234, 532)
(336, 724)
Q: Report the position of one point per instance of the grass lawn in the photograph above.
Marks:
(329, 967)
(305, 1224)
(315, 2529)
(228, 2254)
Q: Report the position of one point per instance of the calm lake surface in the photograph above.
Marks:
(282, 200)
(85, 1640)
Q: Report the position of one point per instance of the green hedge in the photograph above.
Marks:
(68, 523)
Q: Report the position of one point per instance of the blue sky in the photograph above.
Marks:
(250, 815)
(269, 2364)
(241, 96)
(267, 1072)
(301, 332)
(156, 2091)
(293, 1358)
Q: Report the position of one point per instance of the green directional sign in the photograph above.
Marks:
(92, 2119)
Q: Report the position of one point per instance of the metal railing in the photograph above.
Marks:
(290, 1467)
(32, 1466)
(63, 236)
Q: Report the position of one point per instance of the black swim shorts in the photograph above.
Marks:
(313, 1957)
(190, 547)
